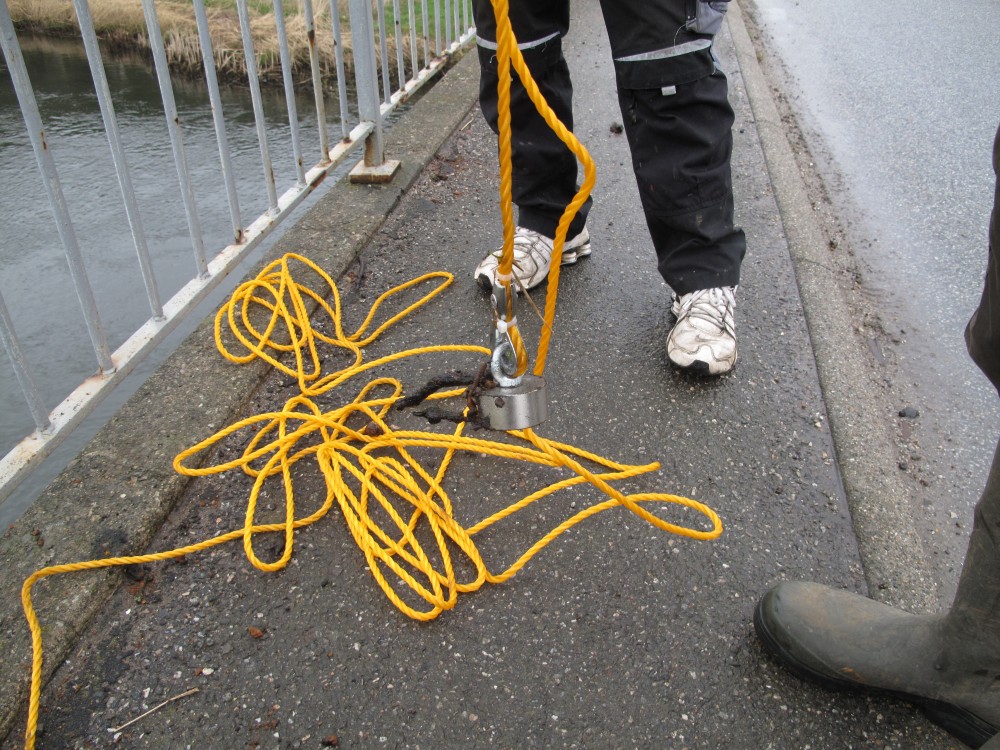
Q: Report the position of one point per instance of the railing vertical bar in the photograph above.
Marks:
(466, 12)
(438, 50)
(400, 64)
(174, 129)
(414, 50)
(258, 108)
(317, 81)
(384, 49)
(212, 79)
(57, 200)
(286, 77)
(22, 370)
(366, 77)
(338, 56)
(426, 33)
(447, 23)
(118, 155)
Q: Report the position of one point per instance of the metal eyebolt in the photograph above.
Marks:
(503, 363)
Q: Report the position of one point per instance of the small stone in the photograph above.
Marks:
(909, 412)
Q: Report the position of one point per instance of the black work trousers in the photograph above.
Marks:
(677, 119)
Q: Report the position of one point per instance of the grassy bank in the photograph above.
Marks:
(121, 25)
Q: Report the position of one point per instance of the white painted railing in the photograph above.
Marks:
(436, 29)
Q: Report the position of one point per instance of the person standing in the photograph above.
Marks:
(678, 121)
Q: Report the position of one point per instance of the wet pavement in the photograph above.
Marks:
(914, 208)
(618, 634)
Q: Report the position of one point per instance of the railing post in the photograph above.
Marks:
(375, 168)
(57, 199)
(52, 426)
(176, 135)
(23, 373)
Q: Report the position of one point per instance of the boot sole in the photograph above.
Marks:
(965, 725)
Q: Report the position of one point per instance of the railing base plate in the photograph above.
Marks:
(363, 174)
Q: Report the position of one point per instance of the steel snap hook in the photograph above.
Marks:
(503, 362)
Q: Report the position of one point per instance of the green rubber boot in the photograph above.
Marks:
(948, 664)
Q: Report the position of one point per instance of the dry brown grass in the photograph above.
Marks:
(121, 24)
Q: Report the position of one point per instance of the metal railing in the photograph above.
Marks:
(431, 30)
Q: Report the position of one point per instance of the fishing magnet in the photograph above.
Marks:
(515, 407)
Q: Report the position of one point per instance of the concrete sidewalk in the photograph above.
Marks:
(617, 635)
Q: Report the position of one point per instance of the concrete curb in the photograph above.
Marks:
(114, 496)
(891, 551)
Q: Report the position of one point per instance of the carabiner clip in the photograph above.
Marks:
(503, 362)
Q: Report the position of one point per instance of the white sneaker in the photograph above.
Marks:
(703, 339)
(532, 258)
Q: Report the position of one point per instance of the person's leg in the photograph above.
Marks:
(982, 335)
(681, 147)
(948, 664)
(544, 169)
(679, 123)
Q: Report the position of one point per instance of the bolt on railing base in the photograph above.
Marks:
(380, 174)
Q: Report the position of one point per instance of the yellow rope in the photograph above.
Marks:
(366, 463)
(368, 466)
(509, 56)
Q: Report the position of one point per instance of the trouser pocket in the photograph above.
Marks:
(681, 147)
(705, 16)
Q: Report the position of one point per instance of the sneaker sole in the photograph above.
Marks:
(700, 367)
(957, 721)
(572, 256)
(697, 367)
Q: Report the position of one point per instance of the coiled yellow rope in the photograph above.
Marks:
(366, 463)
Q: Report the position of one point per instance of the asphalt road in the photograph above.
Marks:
(898, 106)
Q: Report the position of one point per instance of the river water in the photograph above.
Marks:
(34, 276)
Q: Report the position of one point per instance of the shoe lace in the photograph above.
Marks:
(527, 244)
(524, 241)
(711, 305)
